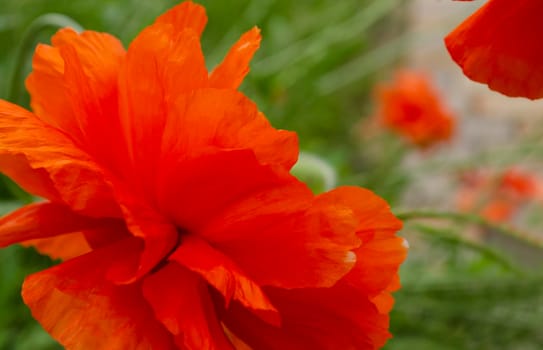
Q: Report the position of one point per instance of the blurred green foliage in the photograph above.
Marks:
(313, 74)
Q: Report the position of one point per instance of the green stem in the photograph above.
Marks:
(47, 21)
(451, 237)
(466, 218)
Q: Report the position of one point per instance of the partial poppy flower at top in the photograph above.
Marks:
(497, 197)
(500, 45)
(410, 106)
(170, 201)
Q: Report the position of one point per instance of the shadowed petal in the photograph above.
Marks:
(220, 272)
(71, 245)
(318, 319)
(181, 301)
(159, 235)
(42, 220)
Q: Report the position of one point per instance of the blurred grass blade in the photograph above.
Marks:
(8, 22)
(14, 190)
(466, 218)
(26, 47)
(366, 64)
(8, 206)
(306, 48)
(450, 236)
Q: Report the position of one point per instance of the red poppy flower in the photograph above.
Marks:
(497, 197)
(170, 200)
(500, 45)
(411, 107)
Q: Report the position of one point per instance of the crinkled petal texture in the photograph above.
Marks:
(411, 107)
(352, 314)
(500, 45)
(46, 162)
(81, 309)
(169, 199)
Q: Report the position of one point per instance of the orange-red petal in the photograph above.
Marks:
(34, 181)
(381, 252)
(227, 278)
(499, 45)
(81, 309)
(43, 220)
(62, 247)
(71, 245)
(186, 15)
(262, 218)
(158, 233)
(181, 301)
(232, 70)
(225, 119)
(351, 314)
(322, 318)
(80, 106)
(161, 64)
(194, 192)
(384, 300)
(411, 107)
(44, 160)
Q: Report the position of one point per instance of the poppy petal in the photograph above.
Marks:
(100, 55)
(225, 119)
(81, 309)
(226, 176)
(320, 318)
(181, 301)
(94, 101)
(382, 252)
(34, 181)
(497, 46)
(28, 148)
(161, 64)
(160, 236)
(186, 15)
(230, 73)
(64, 247)
(221, 273)
(260, 217)
(384, 300)
(71, 245)
(42, 220)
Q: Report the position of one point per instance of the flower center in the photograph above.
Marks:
(164, 260)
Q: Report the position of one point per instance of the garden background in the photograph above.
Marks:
(469, 282)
